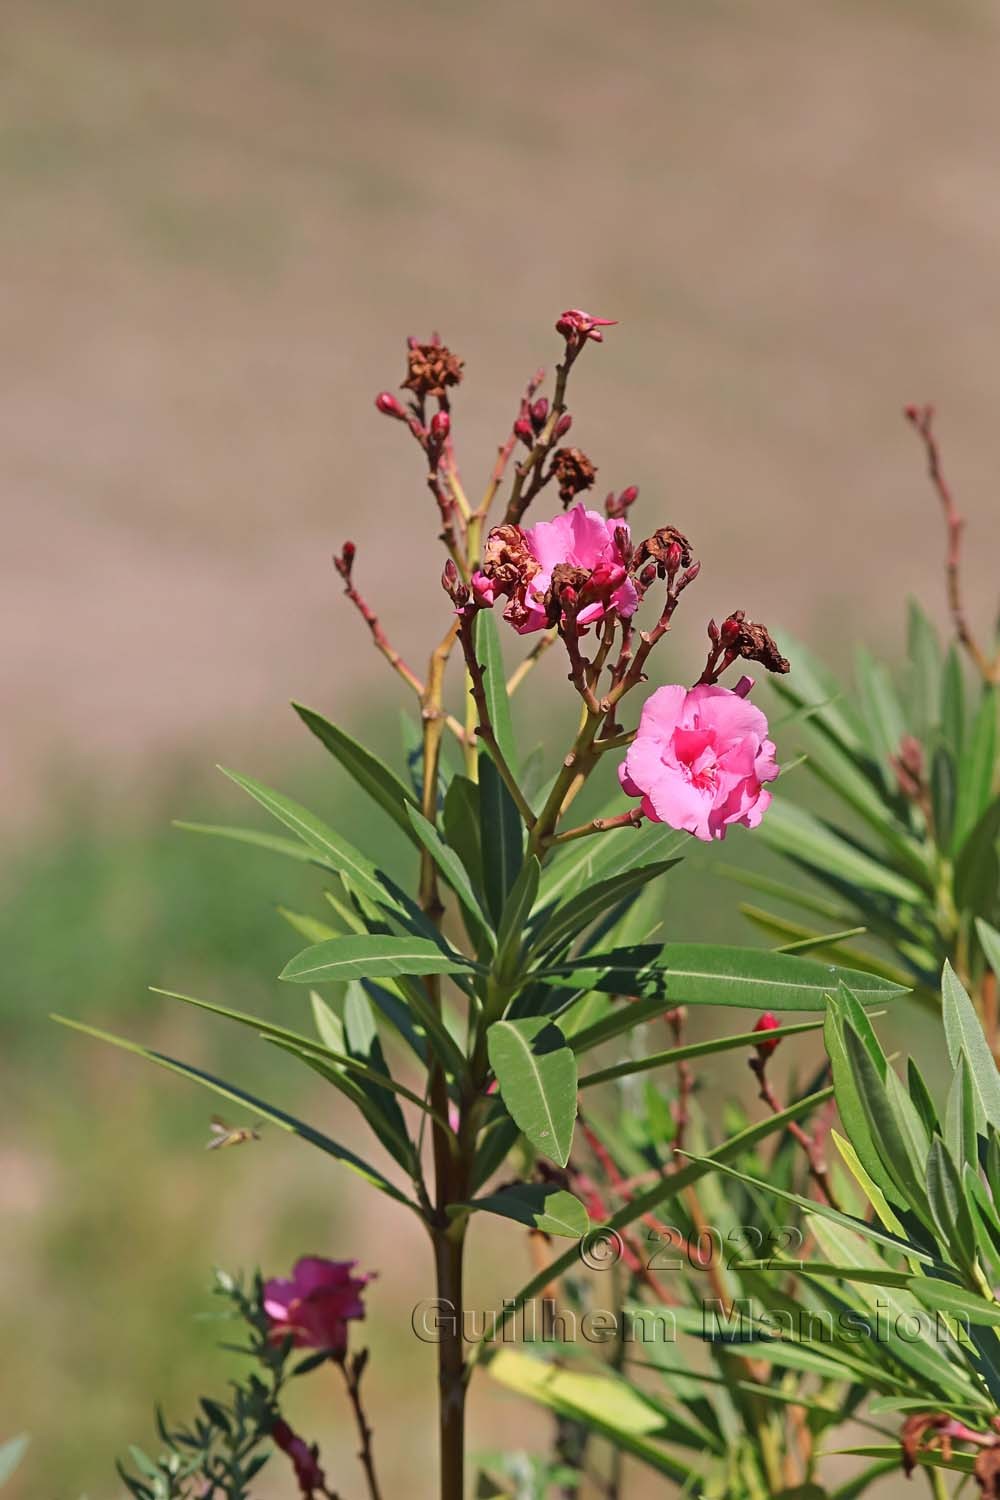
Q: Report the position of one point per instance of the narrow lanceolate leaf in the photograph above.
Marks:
(948, 1206)
(990, 940)
(976, 769)
(270, 841)
(576, 868)
(502, 835)
(709, 974)
(269, 1112)
(607, 1405)
(371, 957)
(667, 1188)
(536, 1073)
(490, 656)
(581, 1042)
(371, 774)
(516, 910)
(538, 1205)
(455, 874)
(314, 833)
(977, 868)
(886, 1126)
(567, 922)
(803, 837)
(963, 1033)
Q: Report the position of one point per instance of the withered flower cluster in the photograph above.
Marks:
(574, 577)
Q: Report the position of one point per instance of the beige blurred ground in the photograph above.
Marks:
(221, 219)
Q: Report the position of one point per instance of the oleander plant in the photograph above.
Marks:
(506, 1009)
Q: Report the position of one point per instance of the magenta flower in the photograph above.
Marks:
(699, 760)
(577, 325)
(580, 551)
(316, 1304)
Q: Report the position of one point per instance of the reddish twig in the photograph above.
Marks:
(630, 819)
(812, 1145)
(353, 1370)
(922, 420)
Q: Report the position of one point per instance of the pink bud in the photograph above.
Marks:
(539, 413)
(347, 552)
(767, 1022)
(563, 426)
(440, 426)
(673, 559)
(389, 406)
(628, 496)
(713, 632)
(524, 430)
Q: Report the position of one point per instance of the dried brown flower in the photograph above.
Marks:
(432, 368)
(668, 548)
(752, 641)
(574, 472)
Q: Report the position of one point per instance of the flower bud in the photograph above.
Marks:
(647, 576)
(713, 632)
(389, 406)
(674, 558)
(731, 630)
(563, 426)
(767, 1022)
(524, 430)
(539, 413)
(440, 426)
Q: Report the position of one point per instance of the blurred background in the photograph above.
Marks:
(221, 219)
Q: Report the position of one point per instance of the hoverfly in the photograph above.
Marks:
(231, 1135)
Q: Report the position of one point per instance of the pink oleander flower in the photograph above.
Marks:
(699, 760)
(577, 325)
(316, 1304)
(581, 551)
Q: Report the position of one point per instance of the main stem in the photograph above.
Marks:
(450, 1169)
(449, 1250)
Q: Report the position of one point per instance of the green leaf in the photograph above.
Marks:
(880, 710)
(370, 773)
(502, 835)
(811, 684)
(513, 919)
(379, 1087)
(868, 1186)
(949, 1208)
(976, 769)
(269, 1112)
(539, 1205)
(963, 1033)
(667, 1188)
(989, 939)
(457, 877)
(793, 831)
(329, 1027)
(886, 1125)
(607, 1405)
(953, 703)
(605, 857)
(489, 654)
(849, 1105)
(960, 1116)
(924, 651)
(374, 956)
(941, 1296)
(336, 851)
(711, 974)
(745, 1039)
(462, 826)
(943, 796)
(273, 842)
(575, 915)
(977, 867)
(536, 1073)
(308, 927)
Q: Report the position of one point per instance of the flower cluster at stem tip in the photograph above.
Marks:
(700, 759)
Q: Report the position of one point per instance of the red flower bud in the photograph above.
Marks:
(674, 558)
(524, 430)
(713, 632)
(539, 413)
(563, 426)
(440, 426)
(647, 576)
(389, 406)
(767, 1022)
(730, 631)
